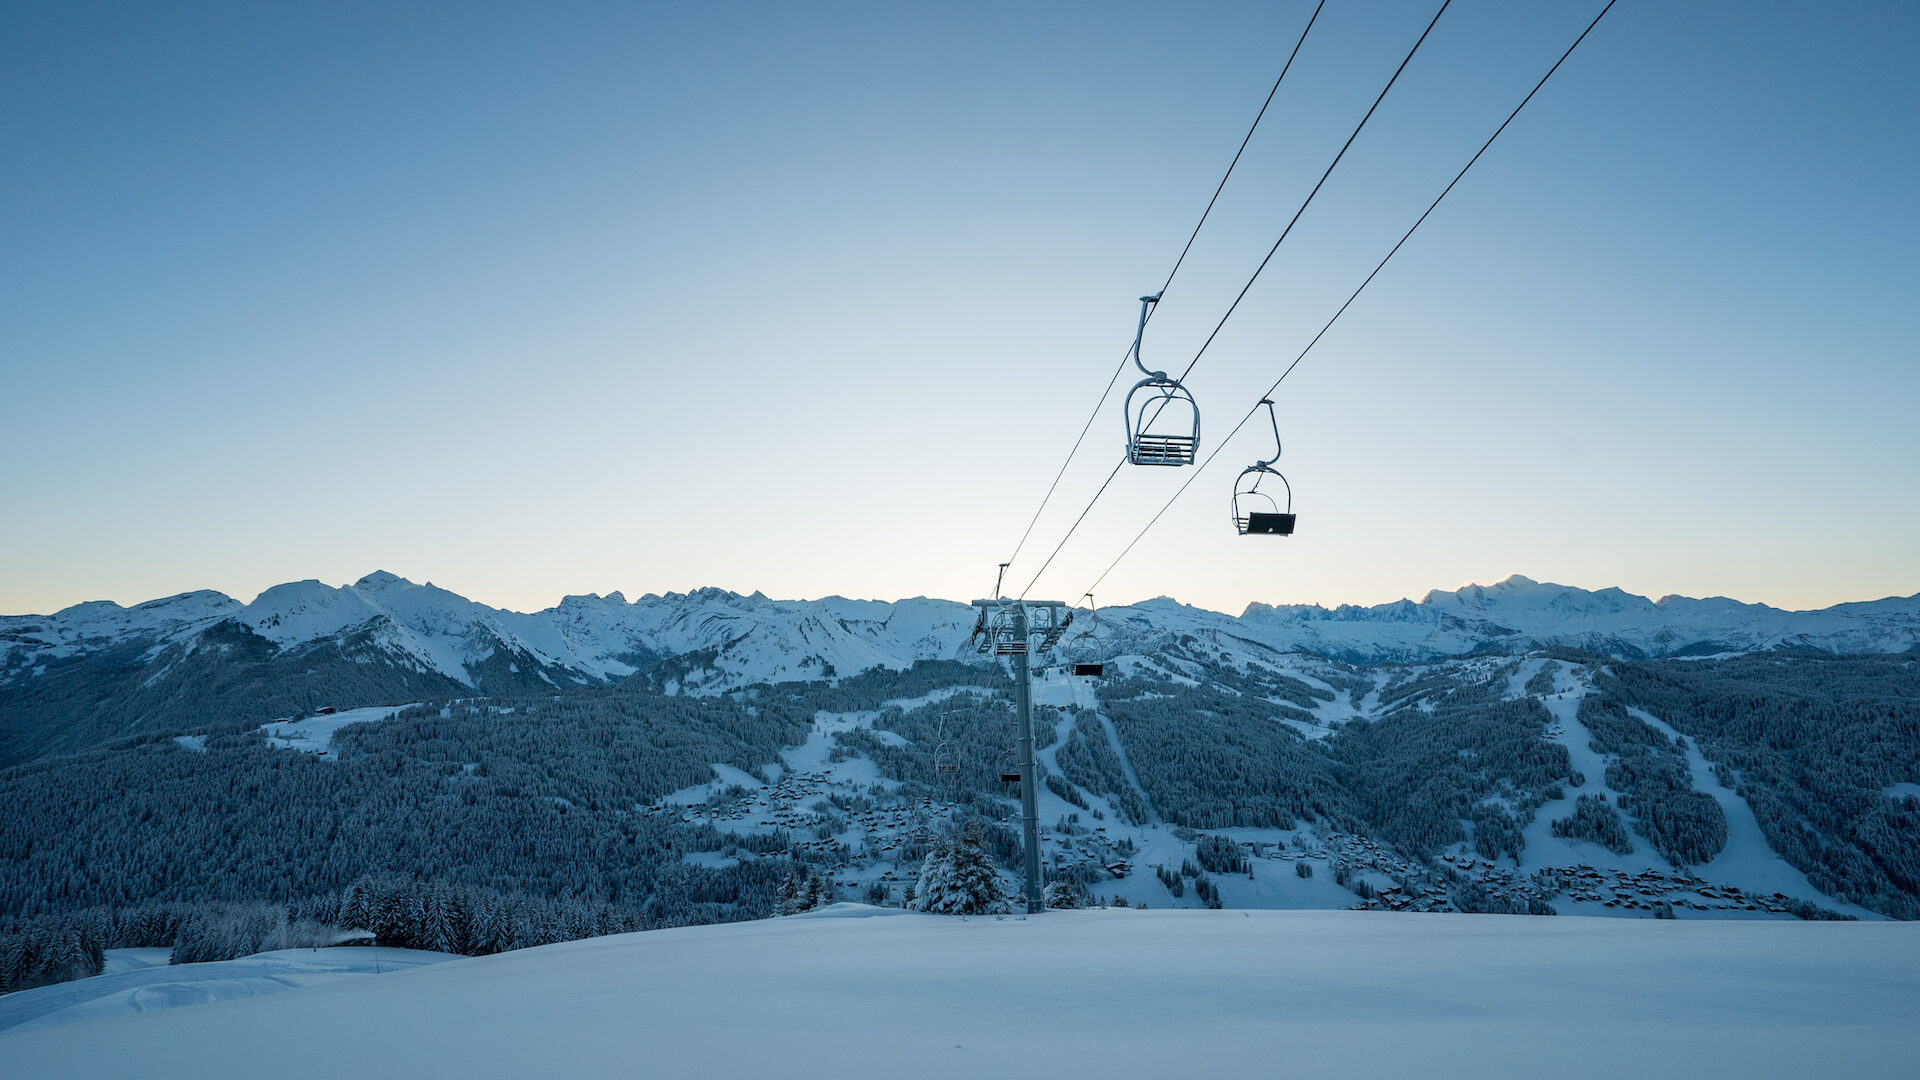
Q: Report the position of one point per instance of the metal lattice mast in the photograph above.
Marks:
(1017, 630)
(1029, 799)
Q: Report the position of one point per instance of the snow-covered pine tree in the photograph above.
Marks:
(1061, 895)
(439, 920)
(356, 906)
(819, 892)
(790, 888)
(803, 890)
(959, 878)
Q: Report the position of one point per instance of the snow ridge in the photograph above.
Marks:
(731, 639)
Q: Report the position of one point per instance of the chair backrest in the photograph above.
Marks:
(1163, 423)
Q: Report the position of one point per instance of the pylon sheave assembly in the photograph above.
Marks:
(1021, 630)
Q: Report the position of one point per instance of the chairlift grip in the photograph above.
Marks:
(1146, 305)
(1275, 421)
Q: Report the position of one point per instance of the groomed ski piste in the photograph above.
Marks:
(853, 992)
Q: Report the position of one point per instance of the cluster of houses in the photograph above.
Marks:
(1651, 889)
(1647, 890)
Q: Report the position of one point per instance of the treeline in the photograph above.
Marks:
(80, 702)
(470, 920)
(874, 687)
(1255, 680)
(956, 748)
(1650, 772)
(540, 800)
(48, 950)
(1595, 819)
(1815, 744)
(1208, 758)
(437, 916)
(1450, 751)
(1088, 760)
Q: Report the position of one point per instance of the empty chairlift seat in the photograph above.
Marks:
(1163, 425)
(1256, 512)
(1085, 656)
(1261, 524)
(1163, 421)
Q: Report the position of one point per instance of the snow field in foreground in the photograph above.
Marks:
(1089, 993)
(141, 981)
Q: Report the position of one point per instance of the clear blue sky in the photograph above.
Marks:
(538, 299)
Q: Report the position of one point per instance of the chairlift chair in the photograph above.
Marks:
(945, 762)
(1163, 421)
(1009, 766)
(1248, 500)
(1085, 658)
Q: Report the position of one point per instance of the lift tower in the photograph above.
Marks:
(1020, 630)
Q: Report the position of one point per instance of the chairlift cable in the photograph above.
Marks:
(1256, 275)
(1356, 293)
(1335, 163)
(1076, 524)
(1177, 263)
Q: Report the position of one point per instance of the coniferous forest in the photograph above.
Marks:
(484, 824)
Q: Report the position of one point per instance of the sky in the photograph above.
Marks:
(531, 300)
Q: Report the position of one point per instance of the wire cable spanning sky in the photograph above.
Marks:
(1267, 394)
(533, 302)
(1144, 423)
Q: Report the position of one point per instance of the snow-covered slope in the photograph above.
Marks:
(157, 987)
(1085, 993)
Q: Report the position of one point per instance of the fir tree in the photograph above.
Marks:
(959, 878)
(1062, 896)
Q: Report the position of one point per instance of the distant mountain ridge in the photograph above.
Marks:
(594, 638)
(98, 670)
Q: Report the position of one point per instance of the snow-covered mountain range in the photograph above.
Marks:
(735, 639)
(751, 638)
(98, 671)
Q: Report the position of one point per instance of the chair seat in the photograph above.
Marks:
(1090, 670)
(1162, 450)
(1269, 524)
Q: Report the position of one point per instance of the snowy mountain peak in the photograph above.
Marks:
(304, 610)
(742, 639)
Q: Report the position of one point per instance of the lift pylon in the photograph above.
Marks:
(1020, 630)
